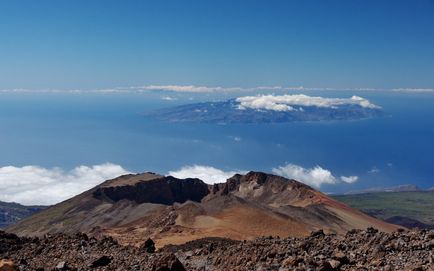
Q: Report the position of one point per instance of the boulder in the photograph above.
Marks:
(148, 246)
(168, 262)
(7, 265)
(62, 266)
(101, 261)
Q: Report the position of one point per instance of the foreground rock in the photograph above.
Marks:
(357, 250)
(79, 252)
(7, 265)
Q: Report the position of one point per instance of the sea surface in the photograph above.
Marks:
(66, 130)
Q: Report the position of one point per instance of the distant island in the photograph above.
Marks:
(272, 109)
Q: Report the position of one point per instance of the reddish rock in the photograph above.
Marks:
(7, 265)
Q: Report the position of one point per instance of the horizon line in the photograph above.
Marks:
(194, 89)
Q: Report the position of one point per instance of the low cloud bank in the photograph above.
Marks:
(209, 175)
(315, 177)
(189, 88)
(293, 102)
(208, 89)
(34, 185)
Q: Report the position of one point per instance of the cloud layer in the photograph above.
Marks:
(293, 102)
(208, 174)
(209, 89)
(188, 88)
(33, 185)
(315, 177)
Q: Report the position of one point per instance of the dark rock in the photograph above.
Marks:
(341, 257)
(325, 266)
(168, 262)
(319, 233)
(148, 246)
(371, 230)
(164, 190)
(101, 261)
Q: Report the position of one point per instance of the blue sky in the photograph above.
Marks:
(97, 44)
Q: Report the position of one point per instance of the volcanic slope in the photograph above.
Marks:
(132, 208)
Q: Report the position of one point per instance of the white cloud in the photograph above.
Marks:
(209, 175)
(170, 88)
(374, 170)
(349, 179)
(168, 98)
(315, 176)
(289, 102)
(415, 90)
(236, 138)
(34, 185)
(37, 185)
(211, 89)
(208, 89)
(203, 89)
(176, 88)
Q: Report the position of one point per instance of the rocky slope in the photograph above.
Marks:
(78, 252)
(357, 250)
(132, 208)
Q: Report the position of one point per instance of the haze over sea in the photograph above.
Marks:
(67, 130)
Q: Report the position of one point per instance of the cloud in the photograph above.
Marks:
(146, 88)
(315, 176)
(374, 170)
(210, 89)
(237, 138)
(168, 98)
(202, 89)
(34, 185)
(188, 88)
(208, 174)
(349, 179)
(291, 102)
(414, 90)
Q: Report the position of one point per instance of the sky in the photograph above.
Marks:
(88, 44)
(201, 47)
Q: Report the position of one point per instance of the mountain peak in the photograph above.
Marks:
(169, 210)
(131, 179)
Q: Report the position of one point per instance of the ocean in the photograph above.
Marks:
(70, 129)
